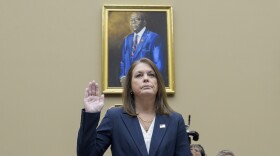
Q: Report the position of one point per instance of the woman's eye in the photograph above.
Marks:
(138, 75)
(151, 74)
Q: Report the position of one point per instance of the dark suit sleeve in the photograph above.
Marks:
(93, 141)
(182, 144)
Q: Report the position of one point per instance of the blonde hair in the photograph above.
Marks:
(225, 153)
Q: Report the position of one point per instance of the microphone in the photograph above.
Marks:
(193, 134)
(189, 120)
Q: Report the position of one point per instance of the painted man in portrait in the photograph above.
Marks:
(142, 42)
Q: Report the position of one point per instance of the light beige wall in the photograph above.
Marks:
(227, 66)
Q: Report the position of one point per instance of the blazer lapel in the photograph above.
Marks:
(132, 124)
(141, 42)
(160, 127)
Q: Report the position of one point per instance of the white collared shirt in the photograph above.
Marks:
(139, 34)
(148, 135)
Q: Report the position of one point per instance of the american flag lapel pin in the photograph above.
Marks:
(162, 126)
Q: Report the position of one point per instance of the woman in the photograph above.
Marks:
(145, 125)
(197, 150)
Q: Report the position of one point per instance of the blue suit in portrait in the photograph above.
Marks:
(150, 46)
(124, 134)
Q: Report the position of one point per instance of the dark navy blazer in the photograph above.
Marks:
(124, 134)
(150, 46)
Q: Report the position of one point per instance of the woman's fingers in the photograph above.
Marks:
(92, 89)
(96, 89)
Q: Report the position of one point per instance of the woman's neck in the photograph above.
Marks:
(145, 106)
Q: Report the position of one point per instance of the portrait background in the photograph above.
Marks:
(118, 29)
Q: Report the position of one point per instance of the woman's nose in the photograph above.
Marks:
(146, 78)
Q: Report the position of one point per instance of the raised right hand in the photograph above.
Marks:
(93, 102)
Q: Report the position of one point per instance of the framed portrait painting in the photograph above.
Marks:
(131, 33)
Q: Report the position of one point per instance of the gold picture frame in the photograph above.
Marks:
(116, 27)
